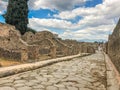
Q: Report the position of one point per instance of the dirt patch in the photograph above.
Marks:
(44, 57)
(101, 78)
(5, 63)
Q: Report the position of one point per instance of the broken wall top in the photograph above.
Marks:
(10, 38)
(7, 30)
(116, 31)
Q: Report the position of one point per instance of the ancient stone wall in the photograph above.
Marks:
(113, 46)
(29, 37)
(32, 46)
(74, 46)
(88, 47)
(46, 41)
(11, 44)
(33, 52)
(12, 55)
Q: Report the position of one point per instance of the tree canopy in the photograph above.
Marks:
(17, 14)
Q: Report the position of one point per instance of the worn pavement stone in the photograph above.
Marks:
(82, 73)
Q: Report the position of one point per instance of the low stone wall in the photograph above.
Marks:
(73, 46)
(44, 51)
(22, 55)
(33, 52)
(13, 55)
(90, 49)
(86, 48)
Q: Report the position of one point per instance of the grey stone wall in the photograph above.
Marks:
(33, 52)
(88, 47)
(12, 55)
(113, 46)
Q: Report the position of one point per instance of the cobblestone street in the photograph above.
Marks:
(82, 73)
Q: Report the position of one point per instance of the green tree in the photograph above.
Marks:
(31, 30)
(17, 14)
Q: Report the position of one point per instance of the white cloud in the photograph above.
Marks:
(108, 9)
(0, 12)
(49, 4)
(55, 4)
(98, 32)
(51, 23)
(96, 24)
(3, 6)
(90, 33)
(93, 21)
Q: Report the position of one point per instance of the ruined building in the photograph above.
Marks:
(48, 43)
(12, 46)
(33, 46)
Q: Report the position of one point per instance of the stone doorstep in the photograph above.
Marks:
(11, 70)
(111, 67)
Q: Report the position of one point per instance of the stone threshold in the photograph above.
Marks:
(113, 76)
(11, 70)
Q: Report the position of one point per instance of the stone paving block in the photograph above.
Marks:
(24, 88)
(7, 88)
(51, 88)
(72, 88)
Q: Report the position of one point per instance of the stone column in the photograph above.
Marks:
(24, 54)
(53, 51)
(0, 65)
(65, 49)
(36, 52)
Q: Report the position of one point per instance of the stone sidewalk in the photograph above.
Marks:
(81, 73)
(113, 76)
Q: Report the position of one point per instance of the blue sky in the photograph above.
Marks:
(43, 13)
(83, 20)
